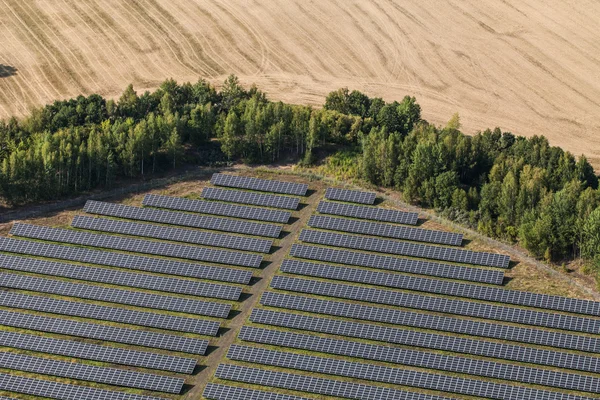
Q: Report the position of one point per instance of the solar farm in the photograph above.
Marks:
(281, 290)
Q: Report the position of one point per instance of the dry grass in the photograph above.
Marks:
(529, 66)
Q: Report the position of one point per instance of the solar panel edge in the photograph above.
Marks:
(92, 373)
(82, 350)
(420, 340)
(42, 387)
(252, 183)
(232, 210)
(149, 230)
(142, 246)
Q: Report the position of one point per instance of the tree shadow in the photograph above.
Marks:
(7, 70)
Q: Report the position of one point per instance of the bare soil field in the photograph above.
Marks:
(530, 66)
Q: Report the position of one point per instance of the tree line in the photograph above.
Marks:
(514, 188)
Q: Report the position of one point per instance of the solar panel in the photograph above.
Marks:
(462, 326)
(315, 385)
(383, 374)
(111, 376)
(352, 196)
(404, 248)
(150, 264)
(385, 230)
(366, 212)
(421, 359)
(183, 219)
(173, 234)
(427, 340)
(136, 245)
(214, 391)
(111, 295)
(435, 304)
(63, 391)
(457, 289)
(262, 185)
(411, 266)
(256, 199)
(214, 208)
(95, 352)
(103, 313)
(103, 332)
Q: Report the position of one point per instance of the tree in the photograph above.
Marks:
(229, 141)
(338, 100)
(232, 92)
(173, 147)
(454, 122)
(590, 243)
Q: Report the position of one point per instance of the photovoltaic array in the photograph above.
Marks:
(173, 234)
(383, 374)
(366, 212)
(111, 295)
(105, 313)
(431, 341)
(257, 199)
(310, 384)
(394, 316)
(183, 219)
(352, 196)
(213, 391)
(420, 359)
(136, 245)
(262, 185)
(457, 289)
(211, 207)
(63, 391)
(405, 248)
(95, 352)
(395, 264)
(385, 230)
(111, 376)
(129, 261)
(103, 332)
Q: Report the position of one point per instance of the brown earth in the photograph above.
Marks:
(530, 66)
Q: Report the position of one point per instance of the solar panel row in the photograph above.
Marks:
(352, 196)
(398, 376)
(111, 376)
(436, 304)
(262, 185)
(421, 359)
(456, 289)
(184, 219)
(136, 245)
(150, 264)
(385, 230)
(405, 248)
(103, 332)
(173, 234)
(104, 313)
(214, 391)
(420, 267)
(366, 212)
(256, 199)
(62, 391)
(456, 325)
(95, 352)
(427, 340)
(214, 208)
(119, 296)
(315, 385)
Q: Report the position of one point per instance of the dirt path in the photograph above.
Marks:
(291, 231)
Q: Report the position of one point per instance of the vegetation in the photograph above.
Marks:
(514, 188)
